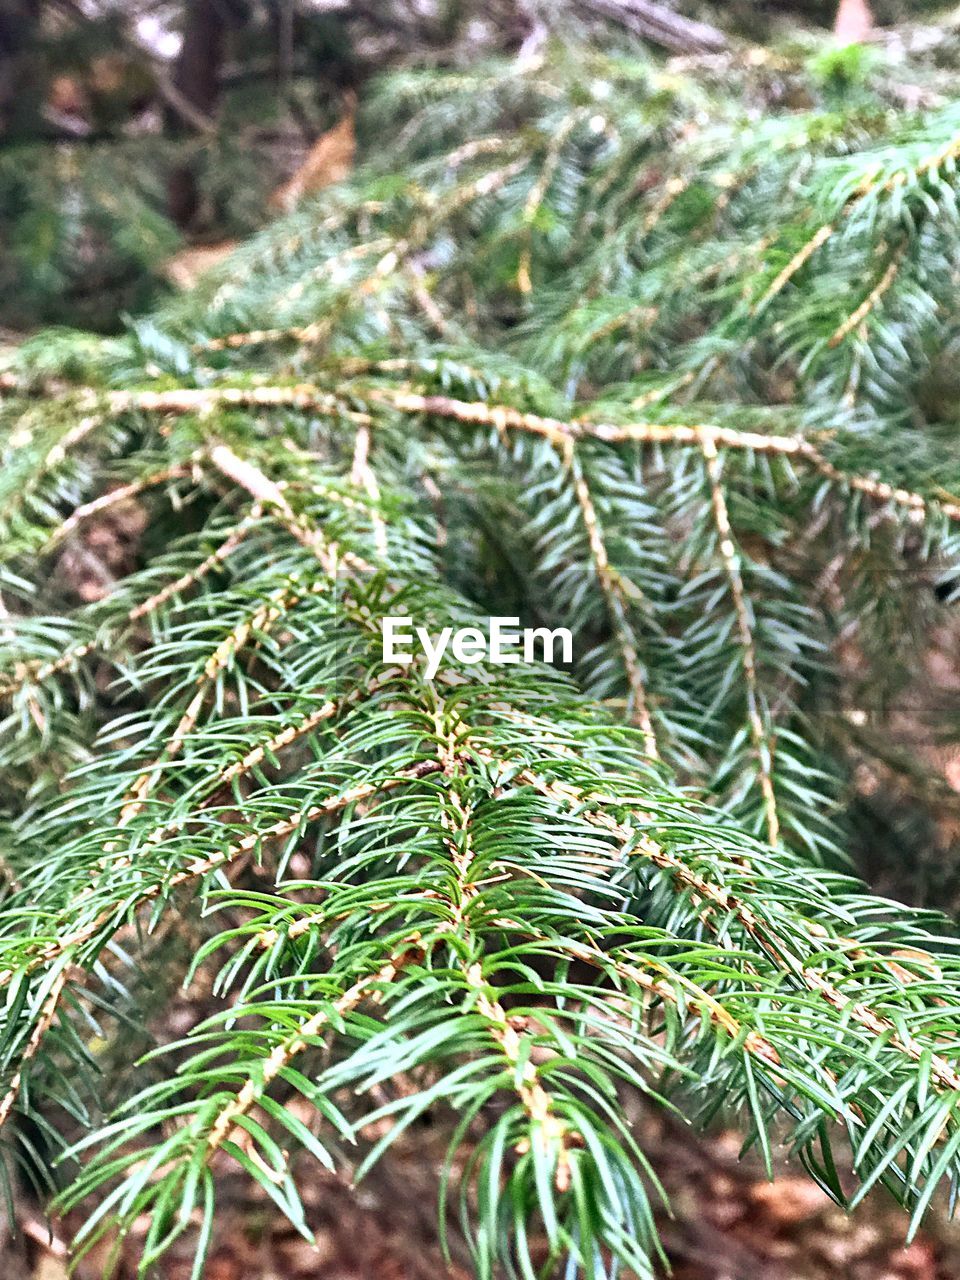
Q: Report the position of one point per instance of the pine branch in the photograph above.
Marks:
(224, 1126)
(569, 354)
(636, 843)
(613, 594)
(870, 302)
(503, 418)
(202, 867)
(762, 744)
(116, 497)
(45, 1019)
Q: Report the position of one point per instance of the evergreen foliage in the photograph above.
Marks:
(574, 349)
(86, 230)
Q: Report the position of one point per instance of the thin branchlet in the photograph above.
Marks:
(613, 595)
(759, 734)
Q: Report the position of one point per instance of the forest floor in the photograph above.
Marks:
(729, 1223)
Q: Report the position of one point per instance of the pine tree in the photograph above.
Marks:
(575, 349)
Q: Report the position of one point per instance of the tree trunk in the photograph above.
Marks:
(21, 79)
(196, 80)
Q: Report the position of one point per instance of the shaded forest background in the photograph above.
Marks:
(131, 131)
(139, 143)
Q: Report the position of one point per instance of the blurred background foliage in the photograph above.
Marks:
(131, 130)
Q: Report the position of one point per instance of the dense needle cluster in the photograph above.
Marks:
(575, 355)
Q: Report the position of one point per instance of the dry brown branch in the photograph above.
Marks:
(662, 25)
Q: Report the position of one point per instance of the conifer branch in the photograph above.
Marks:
(504, 418)
(37, 672)
(367, 988)
(116, 497)
(673, 188)
(574, 924)
(222, 778)
(616, 605)
(362, 475)
(44, 1022)
(77, 433)
(251, 627)
(206, 566)
(256, 755)
(267, 491)
(633, 974)
(796, 263)
(548, 1127)
(198, 868)
(394, 254)
(870, 302)
(637, 843)
(539, 191)
(762, 744)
